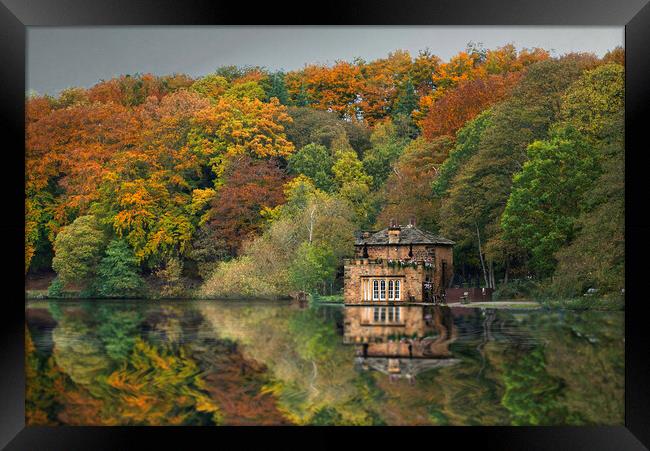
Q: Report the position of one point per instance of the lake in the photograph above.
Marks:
(257, 362)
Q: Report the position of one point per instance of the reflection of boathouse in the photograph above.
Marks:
(398, 264)
(400, 341)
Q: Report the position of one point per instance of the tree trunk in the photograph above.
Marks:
(492, 284)
(480, 254)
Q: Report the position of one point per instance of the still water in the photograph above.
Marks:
(245, 362)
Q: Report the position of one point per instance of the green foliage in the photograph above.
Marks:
(546, 196)
(312, 266)
(278, 88)
(515, 289)
(326, 416)
(532, 396)
(117, 273)
(406, 101)
(314, 161)
(467, 144)
(206, 250)
(352, 181)
(479, 192)
(55, 290)
(386, 148)
(583, 303)
(77, 251)
(593, 100)
(322, 127)
(170, 278)
(117, 330)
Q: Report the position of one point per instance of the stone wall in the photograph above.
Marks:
(411, 278)
(443, 254)
(397, 252)
(438, 254)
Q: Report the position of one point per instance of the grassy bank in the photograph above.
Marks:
(331, 299)
(585, 303)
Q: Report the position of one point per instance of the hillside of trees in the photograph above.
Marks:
(250, 182)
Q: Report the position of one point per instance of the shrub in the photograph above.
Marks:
(117, 273)
(516, 289)
(77, 251)
(55, 290)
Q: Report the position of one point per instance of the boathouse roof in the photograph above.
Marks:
(407, 235)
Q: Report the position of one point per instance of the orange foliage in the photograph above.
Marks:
(328, 88)
(74, 145)
(461, 104)
(380, 86)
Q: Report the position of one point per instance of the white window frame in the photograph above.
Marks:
(397, 292)
(375, 289)
(390, 290)
(382, 289)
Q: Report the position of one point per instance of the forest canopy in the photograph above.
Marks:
(249, 181)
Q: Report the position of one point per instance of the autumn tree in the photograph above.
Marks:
(408, 191)
(250, 185)
(211, 86)
(475, 201)
(464, 102)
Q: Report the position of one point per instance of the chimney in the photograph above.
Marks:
(412, 221)
(393, 232)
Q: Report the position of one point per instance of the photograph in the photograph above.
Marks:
(325, 226)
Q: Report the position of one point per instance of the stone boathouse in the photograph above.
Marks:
(398, 264)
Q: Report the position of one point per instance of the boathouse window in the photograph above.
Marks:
(381, 289)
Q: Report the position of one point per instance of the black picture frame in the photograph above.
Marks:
(16, 15)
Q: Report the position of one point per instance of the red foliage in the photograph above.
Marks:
(249, 186)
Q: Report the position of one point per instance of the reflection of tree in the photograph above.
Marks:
(117, 378)
(117, 330)
(586, 351)
(532, 396)
(41, 378)
(158, 387)
(235, 383)
(310, 368)
(77, 350)
(266, 363)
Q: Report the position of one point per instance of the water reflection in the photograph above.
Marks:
(246, 362)
(400, 341)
